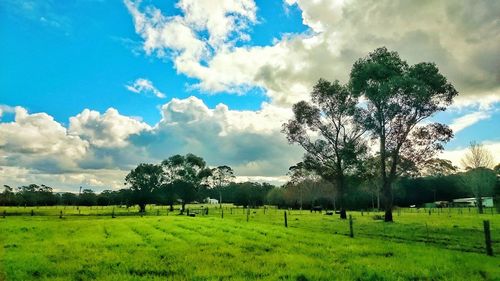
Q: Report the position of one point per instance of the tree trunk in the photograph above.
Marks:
(373, 201)
(387, 196)
(220, 199)
(386, 180)
(183, 207)
(480, 204)
(340, 185)
(300, 190)
(378, 199)
(142, 207)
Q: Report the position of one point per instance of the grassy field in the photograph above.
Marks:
(88, 244)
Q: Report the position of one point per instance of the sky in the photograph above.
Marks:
(91, 88)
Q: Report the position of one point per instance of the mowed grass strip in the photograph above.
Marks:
(210, 248)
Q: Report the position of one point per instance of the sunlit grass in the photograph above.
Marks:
(157, 246)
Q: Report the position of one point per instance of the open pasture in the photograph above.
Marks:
(87, 244)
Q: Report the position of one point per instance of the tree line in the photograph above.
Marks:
(305, 189)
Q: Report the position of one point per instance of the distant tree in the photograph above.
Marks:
(477, 157)
(88, 198)
(143, 180)
(105, 198)
(479, 178)
(438, 168)
(398, 97)
(221, 176)
(275, 197)
(301, 180)
(247, 193)
(371, 182)
(7, 196)
(69, 199)
(328, 129)
(480, 181)
(496, 193)
(497, 168)
(184, 175)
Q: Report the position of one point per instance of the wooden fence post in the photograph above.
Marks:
(487, 237)
(113, 213)
(4, 213)
(222, 214)
(60, 214)
(286, 221)
(351, 230)
(32, 212)
(248, 212)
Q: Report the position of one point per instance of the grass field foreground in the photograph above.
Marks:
(161, 245)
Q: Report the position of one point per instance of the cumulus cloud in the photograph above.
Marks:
(105, 130)
(98, 149)
(37, 138)
(249, 141)
(460, 36)
(144, 86)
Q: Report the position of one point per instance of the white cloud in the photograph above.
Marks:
(98, 149)
(468, 120)
(249, 141)
(460, 36)
(145, 86)
(456, 155)
(37, 140)
(107, 130)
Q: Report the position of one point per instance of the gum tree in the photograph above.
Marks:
(398, 98)
(479, 178)
(221, 176)
(184, 175)
(143, 181)
(329, 130)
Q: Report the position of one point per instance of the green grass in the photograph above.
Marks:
(93, 246)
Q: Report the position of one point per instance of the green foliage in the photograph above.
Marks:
(399, 97)
(480, 181)
(143, 181)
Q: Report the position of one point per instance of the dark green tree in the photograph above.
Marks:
(88, 198)
(184, 175)
(399, 97)
(143, 180)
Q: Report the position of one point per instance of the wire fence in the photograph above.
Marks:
(459, 229)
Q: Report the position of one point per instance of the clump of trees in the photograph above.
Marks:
(397, 98)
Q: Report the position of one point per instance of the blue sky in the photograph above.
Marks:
(64, 57)
(90, 88)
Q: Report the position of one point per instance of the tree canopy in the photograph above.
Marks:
(329, 129)
(399, 96)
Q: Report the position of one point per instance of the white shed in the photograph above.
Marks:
(212, 201)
